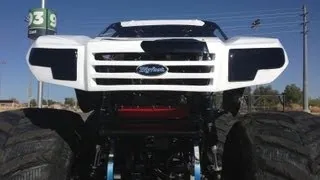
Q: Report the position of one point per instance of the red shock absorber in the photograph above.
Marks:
(157, 112)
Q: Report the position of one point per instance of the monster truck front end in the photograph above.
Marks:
(201, 60)
(151, 85)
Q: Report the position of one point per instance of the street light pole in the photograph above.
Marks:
(40, 94)
(43, 3)
(40, 83)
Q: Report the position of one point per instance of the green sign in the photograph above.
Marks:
(41, 22)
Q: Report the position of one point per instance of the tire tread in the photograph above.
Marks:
(34, 146)
(284, 145)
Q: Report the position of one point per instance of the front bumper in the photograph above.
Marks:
(93, 74)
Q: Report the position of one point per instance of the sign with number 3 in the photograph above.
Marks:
(41, 22)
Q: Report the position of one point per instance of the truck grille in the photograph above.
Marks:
(157, 65)
(171, 69)
(191, 68)
(190, 82)
(153, 56)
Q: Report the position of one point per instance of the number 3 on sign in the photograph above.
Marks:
(37, 18)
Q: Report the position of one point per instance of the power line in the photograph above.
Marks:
(218, 18)
(275, 32)
(244, 16)
(197, 15)
(257, 15)
(265, 24)
(189, 15)
(259, 11)
(228, 12)
(219, 21)
(246, 19)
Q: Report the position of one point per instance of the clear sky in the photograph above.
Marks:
(279, 18)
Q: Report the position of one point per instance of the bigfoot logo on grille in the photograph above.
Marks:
(151, 69)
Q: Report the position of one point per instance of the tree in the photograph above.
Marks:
(50, 102)
(314, 102)
(265, 90)
(293, 94)
(33, 103)
(69, 101)
(44, 102)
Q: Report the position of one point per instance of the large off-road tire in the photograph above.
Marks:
(223, 122)
(38, 144)
(277, 146)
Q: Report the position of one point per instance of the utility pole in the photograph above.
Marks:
(305, 60)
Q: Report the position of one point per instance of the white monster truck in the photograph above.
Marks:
(150, 85)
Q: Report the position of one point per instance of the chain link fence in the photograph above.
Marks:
(257, 103)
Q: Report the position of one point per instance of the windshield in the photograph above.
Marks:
(207, 30)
